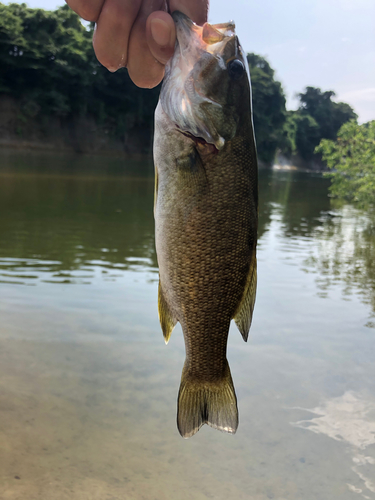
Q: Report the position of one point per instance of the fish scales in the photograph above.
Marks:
(206, 198)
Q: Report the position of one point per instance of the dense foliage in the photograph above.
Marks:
(352, 157)
(47, 61)
(317, 118)
(269, 111)
(48, 65)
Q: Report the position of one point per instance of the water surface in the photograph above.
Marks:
(88, 389)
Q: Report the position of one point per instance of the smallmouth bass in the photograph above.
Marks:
(206, 199)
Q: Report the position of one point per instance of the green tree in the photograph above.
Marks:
(43, 55)
(352, 156)
(269, 111)
(287, 140)
(307, 134)
(329, 115)
(48, 64)
(317, 118)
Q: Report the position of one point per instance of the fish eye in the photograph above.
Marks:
(236, 69)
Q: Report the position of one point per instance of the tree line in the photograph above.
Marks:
(48, 64)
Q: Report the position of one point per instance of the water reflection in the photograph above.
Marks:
(65, 164)
(62, 230)
(88, 388)
(299, 198)
(344, 253)
(349, 418)
(340, 239)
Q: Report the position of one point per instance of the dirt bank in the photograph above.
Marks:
(28, 130)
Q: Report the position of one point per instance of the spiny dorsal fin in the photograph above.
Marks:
(227, 29)
(167, 322)
(244, 312)
(211, 35)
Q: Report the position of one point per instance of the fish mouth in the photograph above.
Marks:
(182, 98)
(184, 27)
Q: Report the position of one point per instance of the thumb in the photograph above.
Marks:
(161, 35)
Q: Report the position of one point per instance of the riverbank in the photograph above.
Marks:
(26, 129)
(21, 131)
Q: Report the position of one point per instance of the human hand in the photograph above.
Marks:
(137, 34)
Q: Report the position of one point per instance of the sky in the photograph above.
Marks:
(328, 44)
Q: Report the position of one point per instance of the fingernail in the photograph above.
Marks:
(160, 32)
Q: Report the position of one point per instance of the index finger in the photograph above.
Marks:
(87, 10)
(111, 37)
(197, 10)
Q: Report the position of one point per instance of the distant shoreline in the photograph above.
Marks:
(36, 148)
(84, 136)
(12, 145)
(79, 134)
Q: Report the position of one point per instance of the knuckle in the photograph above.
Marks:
(122, 12)
(86, 11)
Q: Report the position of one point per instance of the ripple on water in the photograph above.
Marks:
(35, 271)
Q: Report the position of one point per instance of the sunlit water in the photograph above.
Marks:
(88, 389)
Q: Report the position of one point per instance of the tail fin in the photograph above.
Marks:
(201, 402)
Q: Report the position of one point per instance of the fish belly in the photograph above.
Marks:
(205, 243)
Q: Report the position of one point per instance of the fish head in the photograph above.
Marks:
(206, 88)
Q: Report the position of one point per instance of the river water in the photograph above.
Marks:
(88, 388)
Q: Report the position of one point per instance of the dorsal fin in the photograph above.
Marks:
(211, 35)
(227, 29)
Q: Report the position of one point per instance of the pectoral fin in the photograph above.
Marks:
(244, 312)
(167, 322)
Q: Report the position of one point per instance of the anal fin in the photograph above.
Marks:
(167, 321)
(244, 312)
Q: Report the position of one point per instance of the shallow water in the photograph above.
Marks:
(88, 389)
